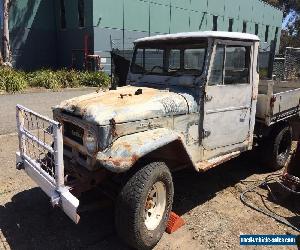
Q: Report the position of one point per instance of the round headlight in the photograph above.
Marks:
(91, 142)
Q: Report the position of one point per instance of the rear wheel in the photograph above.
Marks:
(278, 147)
(143, 206)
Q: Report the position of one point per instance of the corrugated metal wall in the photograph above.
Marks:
(171, 16)
(122, 21)
(39, 41)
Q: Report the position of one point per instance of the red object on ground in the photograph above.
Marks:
(174, 223)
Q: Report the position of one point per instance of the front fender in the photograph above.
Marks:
(127, 150)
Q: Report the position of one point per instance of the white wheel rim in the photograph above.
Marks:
(155, 205)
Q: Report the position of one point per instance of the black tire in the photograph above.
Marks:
(277, 148)
(131, 202)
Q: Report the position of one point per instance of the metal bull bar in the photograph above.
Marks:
(41, 156)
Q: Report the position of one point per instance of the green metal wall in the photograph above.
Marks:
(70, 41)
(117, 23)
(24, 14)
(33, 32)
(39, 41)
(171, 16)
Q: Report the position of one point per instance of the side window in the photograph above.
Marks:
(237, 65)
(216, 72)
(174, 59)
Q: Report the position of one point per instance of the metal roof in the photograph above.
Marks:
(200, 34)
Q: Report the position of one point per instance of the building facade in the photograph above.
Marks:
(60, 33)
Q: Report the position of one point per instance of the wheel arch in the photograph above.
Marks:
(268, 131)
(153, 145)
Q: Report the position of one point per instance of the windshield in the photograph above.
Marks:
(168, 59)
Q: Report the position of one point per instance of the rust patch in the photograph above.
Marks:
(113, 127)
(123, 95)
(254, 98)
(134, 158)
(121, 162)
(115, 97)
(127, 146)
(114, 161)
(206, 165)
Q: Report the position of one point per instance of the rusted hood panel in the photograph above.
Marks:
(126, 104)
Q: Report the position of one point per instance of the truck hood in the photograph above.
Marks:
(129, 103)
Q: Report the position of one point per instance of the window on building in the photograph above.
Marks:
(244, 27)
(267, 34)
(230, 27)
(63, 22)
(256, 29)
(81, 13)
(215, 23)
(276, 33)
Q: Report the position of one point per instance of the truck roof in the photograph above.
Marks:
(200, 34)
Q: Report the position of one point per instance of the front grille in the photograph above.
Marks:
(73, 132)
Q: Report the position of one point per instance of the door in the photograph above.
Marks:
(227, 105)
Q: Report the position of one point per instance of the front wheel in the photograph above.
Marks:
(143, 206)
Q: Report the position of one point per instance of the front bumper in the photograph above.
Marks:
(59, 197)
(41, 156)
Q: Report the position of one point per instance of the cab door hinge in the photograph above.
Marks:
(205, 133)
(208, 98)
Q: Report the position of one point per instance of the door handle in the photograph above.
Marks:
(243, 115)
(205, 133)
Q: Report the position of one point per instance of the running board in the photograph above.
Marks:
(206, 165)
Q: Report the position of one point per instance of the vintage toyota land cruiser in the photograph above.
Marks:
(192, 100)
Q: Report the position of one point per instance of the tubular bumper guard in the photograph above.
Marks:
(35, 150)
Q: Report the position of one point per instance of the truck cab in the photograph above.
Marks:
(216, 73)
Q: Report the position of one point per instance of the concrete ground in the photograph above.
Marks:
(209, 202)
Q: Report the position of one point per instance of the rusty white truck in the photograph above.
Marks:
(192, 100)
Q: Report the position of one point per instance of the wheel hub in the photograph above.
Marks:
(155, 205)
